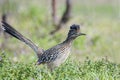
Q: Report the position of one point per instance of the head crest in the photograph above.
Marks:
(75, 27)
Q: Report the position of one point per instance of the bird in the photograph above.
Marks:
(54, 56)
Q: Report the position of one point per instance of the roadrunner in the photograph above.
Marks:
(54, 56)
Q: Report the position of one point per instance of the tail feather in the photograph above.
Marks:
(7, 28)
(10, 30)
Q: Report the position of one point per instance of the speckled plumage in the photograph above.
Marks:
(59, 53)
(54, 56)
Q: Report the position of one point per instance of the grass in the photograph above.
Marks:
(88, 70)
(99, 21)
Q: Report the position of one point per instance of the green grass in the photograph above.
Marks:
(70, 70)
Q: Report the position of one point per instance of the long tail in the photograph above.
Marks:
(10, 30)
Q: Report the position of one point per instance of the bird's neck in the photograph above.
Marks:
(68, 41)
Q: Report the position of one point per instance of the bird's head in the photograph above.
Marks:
(74, 32)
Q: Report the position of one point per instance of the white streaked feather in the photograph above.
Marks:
(3, 28)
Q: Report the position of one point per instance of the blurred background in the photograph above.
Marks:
(44, 22)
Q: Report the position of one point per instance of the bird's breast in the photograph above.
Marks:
(62, 56)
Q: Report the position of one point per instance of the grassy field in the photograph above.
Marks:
(70, 70)
(99, 20)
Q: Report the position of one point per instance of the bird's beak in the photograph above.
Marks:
(81, 34)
